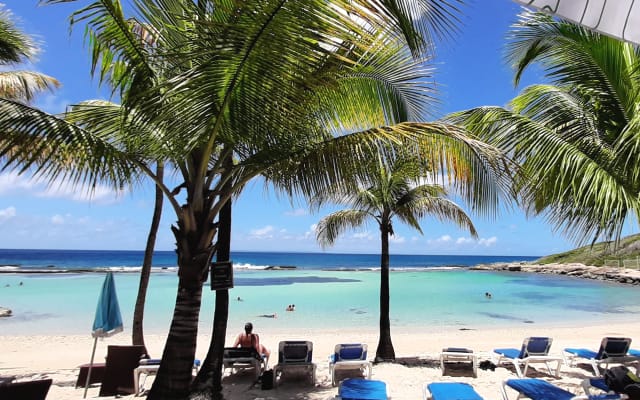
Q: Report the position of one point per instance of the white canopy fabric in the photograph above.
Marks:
(617, 18)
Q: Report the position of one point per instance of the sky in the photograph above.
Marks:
(470, 72)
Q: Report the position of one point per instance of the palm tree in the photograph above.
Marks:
(394, 192)
(17, 47)
(577, 137)
(265, 84)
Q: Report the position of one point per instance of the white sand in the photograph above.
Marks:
(57, 357)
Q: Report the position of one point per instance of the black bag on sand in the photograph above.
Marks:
(266, 380)
(621, 380)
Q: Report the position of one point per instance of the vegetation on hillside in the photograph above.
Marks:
(603, 253)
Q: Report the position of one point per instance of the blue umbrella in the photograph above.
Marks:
(108, 320)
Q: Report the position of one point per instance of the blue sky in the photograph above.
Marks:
(470, 72)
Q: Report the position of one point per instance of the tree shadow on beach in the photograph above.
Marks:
(417, 362)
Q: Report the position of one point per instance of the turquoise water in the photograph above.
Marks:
(65, 303)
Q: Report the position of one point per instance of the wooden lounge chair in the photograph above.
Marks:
(26, 390)
(118, 373)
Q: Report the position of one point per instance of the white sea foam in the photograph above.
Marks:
(249, 266)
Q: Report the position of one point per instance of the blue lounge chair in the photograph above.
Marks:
(538, 389)
(295, 355)
(349, 357)
(597, 383)
(450, 391)
(612, 350)
(362, 389)
(533, 350)
(634, 353)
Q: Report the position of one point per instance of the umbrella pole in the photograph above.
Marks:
(93, 353)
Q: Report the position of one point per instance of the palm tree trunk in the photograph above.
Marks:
(138, 312)
(385, 351)
(175, 373)
(208, 383)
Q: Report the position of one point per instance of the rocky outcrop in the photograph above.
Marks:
(5, 312)
(613, 274)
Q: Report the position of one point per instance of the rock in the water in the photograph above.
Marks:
(5, 312)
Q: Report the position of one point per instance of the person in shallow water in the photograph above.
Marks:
(248, 339)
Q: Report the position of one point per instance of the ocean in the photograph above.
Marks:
(56, 291)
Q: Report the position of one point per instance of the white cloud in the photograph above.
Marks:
(397, 239)
(262, 233)
(361, 235)
(57, 219)
(298, 212)
(7, 213)
(488, 242)
(98, 193)
(441, 239)
(12, 182)
(51, 104)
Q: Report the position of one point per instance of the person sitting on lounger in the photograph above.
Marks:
(251, 340)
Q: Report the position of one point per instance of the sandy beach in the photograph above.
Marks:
(57, 357)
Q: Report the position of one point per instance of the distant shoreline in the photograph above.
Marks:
(611, 274)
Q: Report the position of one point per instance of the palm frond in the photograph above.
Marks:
(441, 208)
(583, 193)
(24, 85)
(15, 45)
(52, 148)
(333, 225)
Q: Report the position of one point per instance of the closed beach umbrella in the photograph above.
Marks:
(108, 320)
(620, 18)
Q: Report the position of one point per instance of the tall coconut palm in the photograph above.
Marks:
(392, 192)
(576, 137)
(267, 84)
(17, 47)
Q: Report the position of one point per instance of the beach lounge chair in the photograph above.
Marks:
(533, 350)
(294, 355)
(538, 389)
(349, 357)
(118, 372)
(450, 391)
(595, 383)
(612, 350)
(362, 389)
(242, 358)
(26, 390)
(149, 367)
(459, 355)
